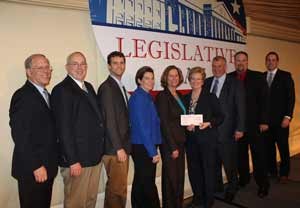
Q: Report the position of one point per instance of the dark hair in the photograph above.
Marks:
(28, 60)
(115, 54)
(165, 74)
(219, 58)
(240, 52)
(273, 53)
(140, 73)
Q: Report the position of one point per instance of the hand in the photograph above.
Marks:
(40, 174)
(238, 135)
(155, 159)
(285, 122)
(75, 169)
(122, 156)
(263, 127)
(190, 127)
(175, 154)
(204, 125)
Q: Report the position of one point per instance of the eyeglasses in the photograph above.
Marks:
(43, 68)
(77, 65)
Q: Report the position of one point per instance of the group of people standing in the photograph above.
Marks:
(78, 129)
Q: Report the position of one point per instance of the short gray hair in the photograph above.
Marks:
(28, 61)
(72, 54)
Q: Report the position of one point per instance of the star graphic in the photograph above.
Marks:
(236, 7)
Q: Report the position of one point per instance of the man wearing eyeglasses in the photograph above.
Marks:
(80, 132)
(35, 157)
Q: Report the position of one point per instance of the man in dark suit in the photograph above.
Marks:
(81, 134)
(281, 105)
(256, 124)
(113, 99)
(35, 157)
(231, 95)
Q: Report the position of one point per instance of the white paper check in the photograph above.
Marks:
(193, 119)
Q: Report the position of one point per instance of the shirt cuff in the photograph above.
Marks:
(288, 117)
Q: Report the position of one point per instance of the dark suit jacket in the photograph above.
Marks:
(282, 97)
(115, 115)
(79, 123)
(257, 108)
(169, 112)
(33, 132)
(208, 105)
(232, 100)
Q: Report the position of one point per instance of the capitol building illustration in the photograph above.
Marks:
(211, 20)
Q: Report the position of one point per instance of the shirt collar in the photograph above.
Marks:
(273, 71)
(79, 83)
(117, 80)
(38, 87)
(221, 79)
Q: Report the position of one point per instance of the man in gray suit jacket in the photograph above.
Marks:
(232, 99)
(113, 99)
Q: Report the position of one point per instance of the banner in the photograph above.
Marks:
(158, 33)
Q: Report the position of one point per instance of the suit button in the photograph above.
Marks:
(101, 125)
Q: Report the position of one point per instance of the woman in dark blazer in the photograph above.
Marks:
(145, 137)
(170, 106)
(202, 140)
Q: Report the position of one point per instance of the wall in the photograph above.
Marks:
(56, 32)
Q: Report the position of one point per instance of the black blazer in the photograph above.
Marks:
(232, 100)
(115, 115)
(78, 122)
(208, 105)
(169, 112)
(33, 132)
(282, 97)
(257, 107)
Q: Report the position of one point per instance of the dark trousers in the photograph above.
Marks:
(279, 136)
(201, 160)
(172, 177)
(227, 155)
(256, 141)
(144, 191)
(35, 195)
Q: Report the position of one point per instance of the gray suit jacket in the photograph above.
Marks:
(233, 104)
(115, 114)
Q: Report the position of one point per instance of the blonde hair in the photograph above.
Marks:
(197, 69)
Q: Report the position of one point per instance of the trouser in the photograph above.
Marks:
(280, 136)
(35, 195)
(81, 191)
(116, 185)
(144, 191)
(256, 141)
(227, 155)
(173, 171)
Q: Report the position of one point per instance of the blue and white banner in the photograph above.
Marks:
(158, 33)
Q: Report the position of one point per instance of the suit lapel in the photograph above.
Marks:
(224, 90)
(37, 94)
(276, 78)
(173, 101)
(91, 100)
(117, 89)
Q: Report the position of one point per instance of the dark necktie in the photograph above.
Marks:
(125, 93)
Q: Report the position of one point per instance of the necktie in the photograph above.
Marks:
(125, 93)
(270, 79)
(46, 96)
(215, 87)
(84, 88)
